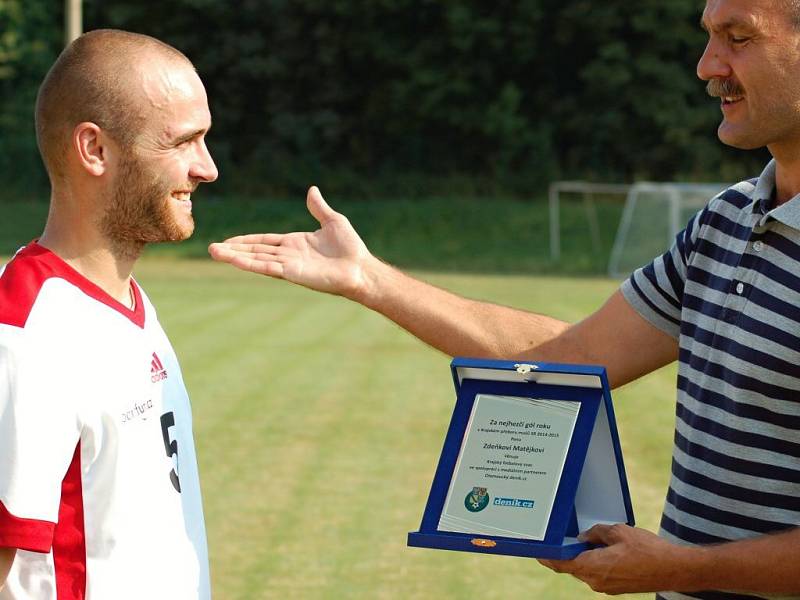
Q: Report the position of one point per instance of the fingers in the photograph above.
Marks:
(264, 263)
(559, 566)
(317, 206)
(220, 252)
(227, 252)
(553, 565)
(246, 248)
(272, 239)
(600, 534)
(271, 268)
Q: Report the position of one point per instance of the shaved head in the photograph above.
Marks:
(97, 79)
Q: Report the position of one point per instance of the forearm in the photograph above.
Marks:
(631, 560)
(457, 326)
(614, 336)
(6, 560)
(766, 564)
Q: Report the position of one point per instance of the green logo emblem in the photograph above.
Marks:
(477, 499)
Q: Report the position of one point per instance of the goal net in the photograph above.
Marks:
(654, 214)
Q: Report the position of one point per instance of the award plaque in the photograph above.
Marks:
(531, 458)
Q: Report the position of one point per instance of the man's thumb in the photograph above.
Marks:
(317, 206)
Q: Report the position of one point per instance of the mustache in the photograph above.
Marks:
(718, 88)
(190, 187)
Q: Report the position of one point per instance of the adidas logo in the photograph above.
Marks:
(157, 370)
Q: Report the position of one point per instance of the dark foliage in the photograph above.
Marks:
(416, 97)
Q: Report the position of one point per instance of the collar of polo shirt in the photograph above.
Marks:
(763, 195)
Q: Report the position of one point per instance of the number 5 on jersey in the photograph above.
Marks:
(171, 446)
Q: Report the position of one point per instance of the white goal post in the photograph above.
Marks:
(654, 213)
(587, 191)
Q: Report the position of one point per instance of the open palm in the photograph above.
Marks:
(330, 259)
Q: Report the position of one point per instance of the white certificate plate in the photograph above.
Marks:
(509, 467)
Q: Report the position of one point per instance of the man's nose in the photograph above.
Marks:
(712, 64)
(204, 168)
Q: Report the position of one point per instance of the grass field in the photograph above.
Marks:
(475, 235)
(319, 425)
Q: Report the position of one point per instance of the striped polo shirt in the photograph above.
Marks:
(729, 291)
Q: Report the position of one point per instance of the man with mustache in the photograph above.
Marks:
(723, 301)
(99, 492)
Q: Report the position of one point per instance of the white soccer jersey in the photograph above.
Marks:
(98, 477)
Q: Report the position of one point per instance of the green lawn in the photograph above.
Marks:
(475, 235)
(319, 424)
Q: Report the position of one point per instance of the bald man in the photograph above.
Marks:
(99, 492)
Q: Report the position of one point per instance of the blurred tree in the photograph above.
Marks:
(404, 97)
(632, 100)
(30, 38)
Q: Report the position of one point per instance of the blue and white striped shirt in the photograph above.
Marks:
(729, 291)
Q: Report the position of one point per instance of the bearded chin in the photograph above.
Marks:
(139, 214)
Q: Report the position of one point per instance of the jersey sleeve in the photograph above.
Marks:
(39, 433)
(655, 291)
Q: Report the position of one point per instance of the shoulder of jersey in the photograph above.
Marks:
(22, 279)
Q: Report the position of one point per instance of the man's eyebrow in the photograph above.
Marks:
(729, 24)
(191, 135)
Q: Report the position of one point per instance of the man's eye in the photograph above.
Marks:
(738, 41)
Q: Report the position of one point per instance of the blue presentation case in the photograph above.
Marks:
(593, 487)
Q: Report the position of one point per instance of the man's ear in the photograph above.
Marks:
(93, 147)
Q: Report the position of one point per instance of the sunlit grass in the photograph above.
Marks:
(319, 425)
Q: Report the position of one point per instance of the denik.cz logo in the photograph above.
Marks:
(477, 499)
(513, 502)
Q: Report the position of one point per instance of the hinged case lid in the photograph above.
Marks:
(593, 487)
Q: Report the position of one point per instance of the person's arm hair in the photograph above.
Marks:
(335, 260)
(453, 324)
(631, 560)
(614, 336)
(6, 560)
(766, 564)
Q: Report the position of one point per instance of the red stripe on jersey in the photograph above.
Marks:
(157, 362)
(25, 534)
(25, 274)
(19, 286)
(69, 539)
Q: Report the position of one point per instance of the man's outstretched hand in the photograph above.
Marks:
(331, 259)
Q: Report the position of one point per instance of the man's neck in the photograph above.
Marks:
(787, 171)
(94, 257)
(787, 182)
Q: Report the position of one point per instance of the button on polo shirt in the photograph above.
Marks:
(728, 291)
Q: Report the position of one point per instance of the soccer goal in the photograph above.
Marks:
(586, 192)
(654, 214)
